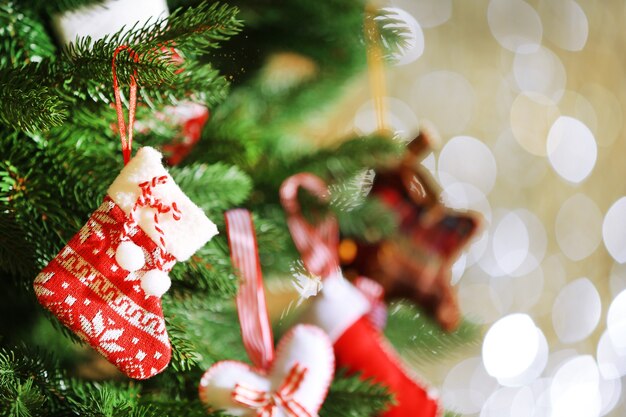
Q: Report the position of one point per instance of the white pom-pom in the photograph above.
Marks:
(155, 282)
(129, 256)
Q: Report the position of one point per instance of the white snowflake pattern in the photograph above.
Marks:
(107, 338)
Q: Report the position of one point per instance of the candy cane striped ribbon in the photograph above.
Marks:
(147, 199)
(126, 137)
(267, 403)
(318, 245)
(255, 325)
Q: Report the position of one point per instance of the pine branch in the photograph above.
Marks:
(23, 39)
(215, 188)
(421, 340)
(83, 71)
(26, 104)
(210, 327)
(349, 396)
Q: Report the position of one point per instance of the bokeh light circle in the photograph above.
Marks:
(575, 389)
(565, 23)
(571, 149)
(540, 72)
(454, 163)
(614, 230)
(414, 39)
(515, 25)
(576, 311)
(512, 347)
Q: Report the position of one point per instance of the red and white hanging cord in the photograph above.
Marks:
(318, 245)
(126, 132)
(256, 331)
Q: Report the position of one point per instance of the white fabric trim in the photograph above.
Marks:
(306, 345)
(183, 237)
(339, 305)
(105, 18)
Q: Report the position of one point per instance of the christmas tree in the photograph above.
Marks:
(263, 70)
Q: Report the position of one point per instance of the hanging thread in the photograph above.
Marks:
(126, 132)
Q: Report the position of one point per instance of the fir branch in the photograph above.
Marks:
(350, 396)
(83, 71)
(421, 340)
(210, 325)
(23, 39)
(208, 271)
(215, 188)
(26, 104)
(390, 33)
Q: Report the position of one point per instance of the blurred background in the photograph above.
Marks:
(527, 99)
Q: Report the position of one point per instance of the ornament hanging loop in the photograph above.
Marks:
(318, 244)
(126, 132)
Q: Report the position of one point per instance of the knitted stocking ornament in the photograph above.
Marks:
(343, 311)
(106, 283)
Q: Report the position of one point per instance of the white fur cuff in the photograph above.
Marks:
(106, 17)
(337, 307)
(182, 237)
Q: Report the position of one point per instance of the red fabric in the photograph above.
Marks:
(85, 288)
(363, 349)
(183, 143)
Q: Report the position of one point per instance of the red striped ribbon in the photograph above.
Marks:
(125, 137)
(267, 403)
(147, 199)
(255, 325)
(318, 245)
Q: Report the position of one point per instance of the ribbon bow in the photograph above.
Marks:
(267, 403)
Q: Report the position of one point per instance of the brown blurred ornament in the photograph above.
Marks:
(416, 263)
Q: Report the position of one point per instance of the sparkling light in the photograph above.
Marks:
(452, 166)
(610, 393)
(435, 93)
(414, 40)
(566, 24)
(538, 242)
(616, 322)
(571, 149)
(614, 230)
(540, 72)
(399, 116)
(528, 289)
(575, 389)
(457, 269)
(578, 226)
(464, 197)
(429, 13)
(514, 350)
(515, 25)
(510, 243)
(576, 311)
(467, 387)
(611, 363)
